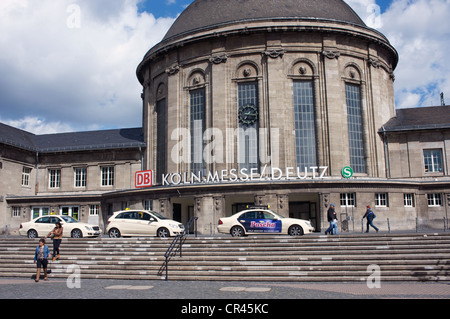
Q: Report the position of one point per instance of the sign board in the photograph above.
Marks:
(143, 179)
(347, 172)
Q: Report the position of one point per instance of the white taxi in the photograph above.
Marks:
(142, 223)
(262, 221)
(41, 226)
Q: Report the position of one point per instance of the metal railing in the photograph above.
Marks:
(175, 247)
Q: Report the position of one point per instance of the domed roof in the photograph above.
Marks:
(203, 14)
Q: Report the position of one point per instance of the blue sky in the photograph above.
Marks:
(69, 65)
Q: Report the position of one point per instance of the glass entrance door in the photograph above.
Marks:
(71, 211)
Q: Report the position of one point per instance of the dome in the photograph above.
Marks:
(203, 14)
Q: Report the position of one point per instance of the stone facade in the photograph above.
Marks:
(403, 171)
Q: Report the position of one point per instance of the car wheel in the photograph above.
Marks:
(76, 233)
(163, 233)
(295, 230)
(237, 231)
(114, 233)
(32, 233)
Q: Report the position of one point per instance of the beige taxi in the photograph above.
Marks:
(142, 223)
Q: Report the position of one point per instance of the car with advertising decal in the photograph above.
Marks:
(142, 223)
(262, 221)
(41, 226)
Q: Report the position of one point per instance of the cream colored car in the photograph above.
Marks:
(41, 226)
(262, 221)
(142, 223)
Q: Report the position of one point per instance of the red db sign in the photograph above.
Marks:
(144, 179)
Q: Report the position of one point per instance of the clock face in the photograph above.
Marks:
(248, 114)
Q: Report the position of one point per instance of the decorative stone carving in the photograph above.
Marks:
(173, 69)
(374, 63)
(217, 59)
(331, 54)
(275, 53)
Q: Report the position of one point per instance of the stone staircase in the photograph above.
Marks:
(311, 258)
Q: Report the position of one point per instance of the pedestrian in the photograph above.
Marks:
(369, 215)
(41, 259)
(331, 216)
(56, 235)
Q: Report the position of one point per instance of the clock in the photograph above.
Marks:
(248, 114)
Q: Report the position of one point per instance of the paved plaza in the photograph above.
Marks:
(21, 288)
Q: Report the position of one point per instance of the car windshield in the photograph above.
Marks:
(69, 219)
(158, 215)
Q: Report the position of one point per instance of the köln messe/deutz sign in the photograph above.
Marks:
(235, 175)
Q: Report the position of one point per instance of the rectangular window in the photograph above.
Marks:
(80, 177)
(381, 200)
(148, 204)
(434, 200)
(433, 160)
(161, 139)
(94, 210)
(16, 212)
(40, 211)
(54, 178)
(248, 114)
(198, 127)
(304, 119)
(107, 175)
(355, 128)
(26, 173)
(408, 200)
(348, 199)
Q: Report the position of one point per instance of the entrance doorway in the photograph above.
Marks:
(304, 210)
(71, 211)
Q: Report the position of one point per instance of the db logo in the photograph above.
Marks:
(144, 179)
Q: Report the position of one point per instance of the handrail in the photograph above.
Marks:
(175, 247)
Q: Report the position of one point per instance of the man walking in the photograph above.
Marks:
(369, 215)
(331, 216)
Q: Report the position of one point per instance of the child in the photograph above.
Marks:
(40, 257)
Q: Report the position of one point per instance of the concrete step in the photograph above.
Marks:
(407, 257)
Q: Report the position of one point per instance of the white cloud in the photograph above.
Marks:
(74, 67)
(38, 126)
(419, 31)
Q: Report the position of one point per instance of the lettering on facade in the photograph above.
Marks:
(245, 175)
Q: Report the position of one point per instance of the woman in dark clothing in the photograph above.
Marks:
(56, 234)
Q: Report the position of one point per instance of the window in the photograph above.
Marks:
(305, 135)
(54, 178)
(434, 200)
(40, 211)
(248, 130)
(408, 200)
(80, 177)
(381, 200)
(161, 139)
(107, 175)
(348, 199)
(26, 172)
(94, 210)
(148, 204)
(433, 160)
(16, 212)
(355, 129)
(198, 126)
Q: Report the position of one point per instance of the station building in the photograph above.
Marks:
(287, 104)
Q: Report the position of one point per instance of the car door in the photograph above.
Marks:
(147, 224)
(271, 223)
(247, 220)
(43, 226)
(125, 222)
